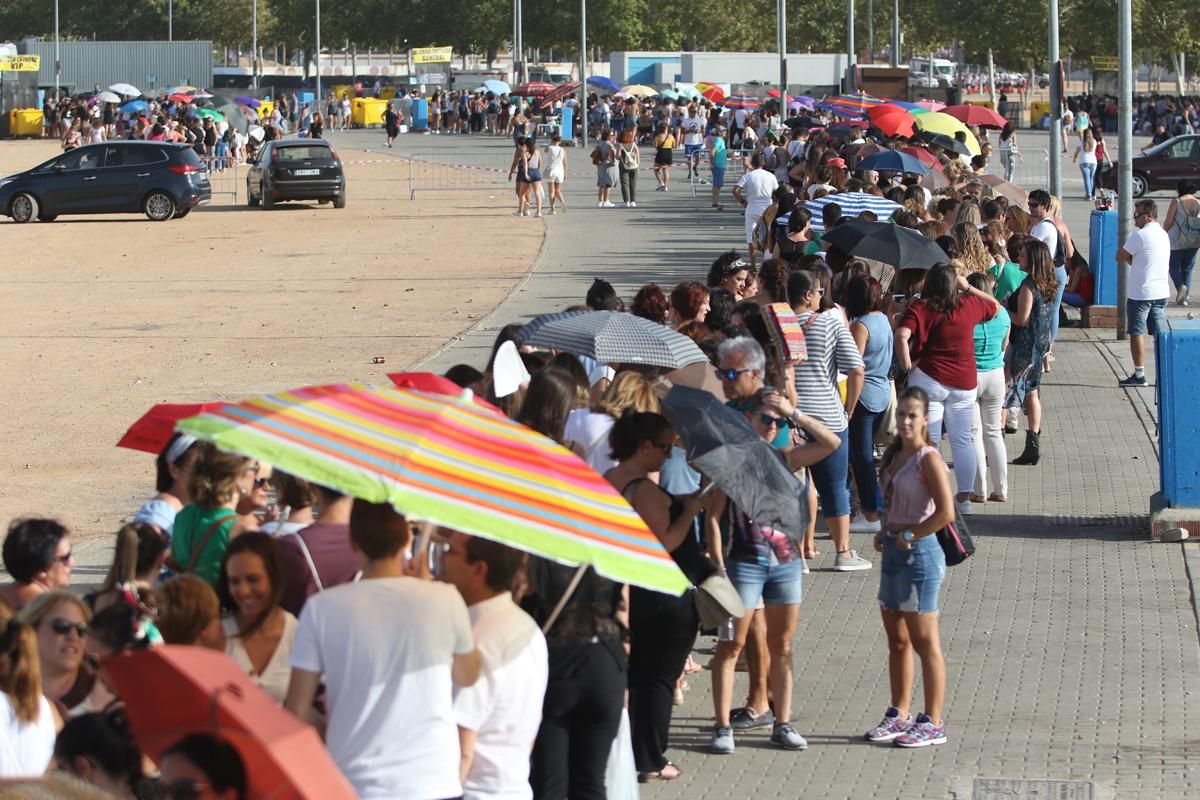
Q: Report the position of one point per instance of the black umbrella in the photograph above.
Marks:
(892, 244)
(804, 122)
(943, 141)
(721, 444)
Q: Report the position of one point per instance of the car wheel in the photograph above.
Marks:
(251, 200)
(159, 206)
(47, 217)
(23, 208)
(267, 201)
(1140, 185)
(339, 201)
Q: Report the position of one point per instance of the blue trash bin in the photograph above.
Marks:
(1177, 360)
(420, 115)
(1102, 256)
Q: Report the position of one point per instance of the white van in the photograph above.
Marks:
(943, 77)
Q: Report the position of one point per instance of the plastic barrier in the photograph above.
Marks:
(1102, 256)
(367, 111)
(1177, 359)
(25, 122)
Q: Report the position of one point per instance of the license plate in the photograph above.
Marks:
(306, 172)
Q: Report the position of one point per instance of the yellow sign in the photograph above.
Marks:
(1104, 63)
(20, 63)
(432, 55)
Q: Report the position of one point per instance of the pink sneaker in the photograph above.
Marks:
(891, 727)
(923, 733)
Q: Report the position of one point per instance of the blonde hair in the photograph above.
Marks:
(1054, 206)
(215, 475)
(38, 610)
(971, 251)
(629, 390)
(968, 211)
(20, 666)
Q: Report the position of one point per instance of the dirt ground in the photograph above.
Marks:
(105, 316)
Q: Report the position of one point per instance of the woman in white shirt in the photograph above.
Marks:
(259, 635)
(27, 724)
(1085, 154)
(587, 429)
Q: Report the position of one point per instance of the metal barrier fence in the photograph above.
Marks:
(455, 172)
(736, 163)
(223, 174)
(1030, 169)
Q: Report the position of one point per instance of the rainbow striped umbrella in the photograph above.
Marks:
(451, 462)
(850, 105)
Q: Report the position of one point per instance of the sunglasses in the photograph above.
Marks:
(769, 421)
(64, 559)
(730, 374)
(185, 789)
(1141, 214)
(262, 483)
(64, 626)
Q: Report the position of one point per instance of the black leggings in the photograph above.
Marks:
(662, 631)
(580, 719)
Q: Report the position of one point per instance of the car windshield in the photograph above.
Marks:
(303, 152)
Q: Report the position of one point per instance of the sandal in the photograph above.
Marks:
(997, 498)
(691, 667)
(977, 498)
(668, 773)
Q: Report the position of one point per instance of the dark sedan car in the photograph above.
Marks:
(296, 169)
(162, 181)
(1161, 166)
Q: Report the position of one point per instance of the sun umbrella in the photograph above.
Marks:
(155, 428)
(981, 116)
(614, 337)
(930, 105)
(805, 101)
(897, 123)
(245, 100)
(603, 83)
(540, 321)
(850, 105)
(804, 122)
(935, 180)
(174, 690)
(938, 122)
(852, 204)
(533, 89)
(256, 132)
(741, 101)
(179, 98)
(945, 141)
(883, 241)
(202, 95)
(639, 90)
(669, 94)
(854, 153)
(894, 161)
(998, 186)
(211, 113)
(710, 91)
(924, 156)
(911, 108)
(794, 106)
(721, 444)
(126, 89)
(496, 86)
(450, 462)
(436, 384)
(107, 97)
(134, 107)
(182, 89)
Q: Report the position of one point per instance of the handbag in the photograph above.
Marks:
(717, 600)
(956, 541)
(786, 333)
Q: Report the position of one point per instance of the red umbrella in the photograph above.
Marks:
(924, 156)
(897, 123)
(436, 384)
(179, 97)
(151, 433)
(710, 91)
(533, 89)
(173, 690)
(982, 116)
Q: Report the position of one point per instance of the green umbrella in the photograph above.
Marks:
(211, 113)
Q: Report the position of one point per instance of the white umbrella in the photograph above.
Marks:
(126, 89)
(107, 97)
(257, 133)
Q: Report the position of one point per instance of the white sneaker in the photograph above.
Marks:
(850, 562)
(632, 204)
(553, 212)
(860, 524)
(609, 204)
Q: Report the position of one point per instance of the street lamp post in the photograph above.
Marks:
(895, 33)
(1124, 150)
(57, 60)
(170, 20)
(581, 109)
(781, 41)
(850, 59)
(318, 50)
(254, 48)
(1056, 100)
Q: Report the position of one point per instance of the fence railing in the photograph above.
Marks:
(735, 166)
(455, 172)
(223, 175)
(1030, 169)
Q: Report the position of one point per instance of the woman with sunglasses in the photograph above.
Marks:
(259, 635)
(26, 719)
(61, 619)
(225, 489)
(37, 554)
(201, 766)
(763, 564)
(662, 628)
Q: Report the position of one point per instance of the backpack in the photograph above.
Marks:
(629, 158)
(1189, 229)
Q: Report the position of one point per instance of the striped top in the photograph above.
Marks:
(831, 349)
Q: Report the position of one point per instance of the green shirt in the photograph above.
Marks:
(1009, 278)
(191, 524)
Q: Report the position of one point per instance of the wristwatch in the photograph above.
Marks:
(907, 536)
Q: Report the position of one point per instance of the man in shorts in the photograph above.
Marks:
(754, 191)
(718, 158)
(693, 141)
(1148, 254)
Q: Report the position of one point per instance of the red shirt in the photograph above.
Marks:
(943, 345)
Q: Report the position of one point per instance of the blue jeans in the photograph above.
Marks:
(776, 584)
(1143, 315)
(1089, 178)
(1180, 268)
(829, 476)
(1060, 275)
(863, 426)
(909, 580)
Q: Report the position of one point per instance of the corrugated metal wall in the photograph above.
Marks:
(147, 65)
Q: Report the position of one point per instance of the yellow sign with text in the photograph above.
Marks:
(1104, 63)
(432, 55)
(20, 63)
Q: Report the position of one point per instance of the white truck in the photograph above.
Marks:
(941, 76)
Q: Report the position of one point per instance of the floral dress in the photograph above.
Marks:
(1028, 346)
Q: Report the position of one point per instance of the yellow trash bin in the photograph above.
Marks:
(25, 122)
(367, 111)
(1037, 109)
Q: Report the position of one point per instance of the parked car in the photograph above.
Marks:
(163, 181)
(296, 169)
(1161, 166)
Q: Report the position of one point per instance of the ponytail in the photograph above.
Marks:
(20, 670)
(125, 553)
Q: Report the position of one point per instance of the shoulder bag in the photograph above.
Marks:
(205, 538)
(956, 541)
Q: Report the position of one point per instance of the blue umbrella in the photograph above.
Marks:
(496, 87)
(852, 203)
(669, 94)
(893, 161)
(134, 107)
(601, 82)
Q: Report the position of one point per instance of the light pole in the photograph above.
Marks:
(1055, 107)
(870, 31)
(581, 110)
(254, 48)
(781, 41)
(895, 33)
(1124, 150)
(850, 60)
(170, 20)
(57, 60)
(318, 50)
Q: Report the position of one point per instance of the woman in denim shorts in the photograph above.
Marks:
(916, 485)
(763, 563)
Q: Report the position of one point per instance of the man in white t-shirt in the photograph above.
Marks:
(498, 717)
(1044, 229)
(693, 140)
(1147, 251)
(390, 649)
(754, 192)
